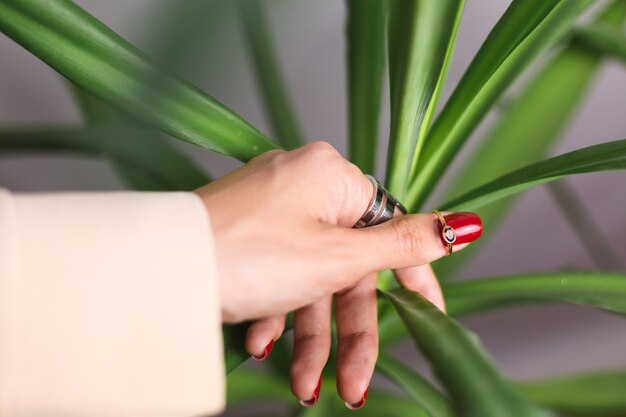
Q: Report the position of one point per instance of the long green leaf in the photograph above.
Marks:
(604, 157)
(423, 392)
(365, 64)
(278, 105)
(93, 57)
(166, 168)
(598, 394)
(527, 28)
(605, 39)
(95, 112)
(150, 145)
(474, 384)
(599, 247)
(170, 41)
(421, 37)
(513, 142)
(603, 290)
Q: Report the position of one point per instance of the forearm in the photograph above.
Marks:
(109, 306)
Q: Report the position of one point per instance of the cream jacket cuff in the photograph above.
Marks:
(109, 306)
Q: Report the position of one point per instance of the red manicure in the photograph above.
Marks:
(360, 404)
(316, 395)
(268, 350)
(467, 226)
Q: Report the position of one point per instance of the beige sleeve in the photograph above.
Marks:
(108, 306)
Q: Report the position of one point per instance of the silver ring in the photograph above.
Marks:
(381, 208)
(375, 204)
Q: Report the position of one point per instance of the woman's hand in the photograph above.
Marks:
(283, 234)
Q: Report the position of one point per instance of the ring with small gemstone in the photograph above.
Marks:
(447, 232)
(381, 207)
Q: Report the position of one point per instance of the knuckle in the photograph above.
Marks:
(320, 157)
(267, 157)
(351, 171)
(408, 236)
(320, 146)
(320, 149)
(361, 338)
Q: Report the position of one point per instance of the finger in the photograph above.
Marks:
(311, 347)
(262, 334)
(357, 333)
(410, 240)
(422, 279)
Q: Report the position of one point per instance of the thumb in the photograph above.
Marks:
(414, 239)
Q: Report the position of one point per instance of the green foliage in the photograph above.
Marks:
(245, 385)
(365, 63)
(166, 168)
(475, 385)
(421, 36)
(605, 39)
(557, 89)
(277, 102)
(603, 157)
(119, 85)
(597, 289)
(526, 29)
(234, 353)
(434, 402)
(599, 248)
(99, 61)
(606, 291)
(598, 394)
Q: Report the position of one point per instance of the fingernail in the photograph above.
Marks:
(316, 395)
(360, 404)
(268, 349)
(467, 227)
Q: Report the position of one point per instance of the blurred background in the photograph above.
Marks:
(208, 49)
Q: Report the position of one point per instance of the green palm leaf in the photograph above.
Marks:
(598, 289)
(96, 59)
(606, 291)
(599, 394)
(474, 384)
(606, 39)
(421, 38)
(162, 169)
(603, 157)
(278, 105)
(150, 145)
(423, 392)
(557, 89)
(365, 62)
(526, 29)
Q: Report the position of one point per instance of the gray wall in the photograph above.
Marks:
(529, 342)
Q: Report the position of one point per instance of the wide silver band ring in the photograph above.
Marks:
(381, 208)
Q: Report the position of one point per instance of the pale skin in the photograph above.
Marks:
(282, 226)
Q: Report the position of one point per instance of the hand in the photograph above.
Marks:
(282, 227)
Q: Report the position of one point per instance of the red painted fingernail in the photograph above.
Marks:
(268, 350)
(316, 395)
(467, 227)
(360, 404)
